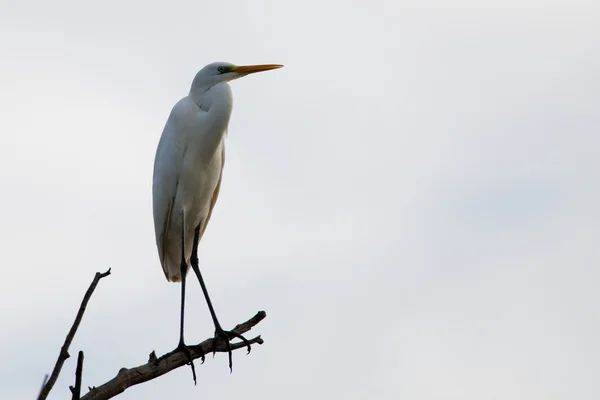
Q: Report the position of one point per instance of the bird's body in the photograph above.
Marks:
(187, 172)
(188, 169)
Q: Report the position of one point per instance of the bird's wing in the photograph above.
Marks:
(215, 195)
(167, 170)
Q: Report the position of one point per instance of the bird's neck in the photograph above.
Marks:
(217, 103)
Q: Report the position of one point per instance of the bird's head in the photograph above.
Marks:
(219, 72)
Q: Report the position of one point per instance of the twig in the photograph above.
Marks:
(64, 351)
(76, 391)
(155, 367)
(43, 384)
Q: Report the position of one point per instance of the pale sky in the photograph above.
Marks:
(413, 199)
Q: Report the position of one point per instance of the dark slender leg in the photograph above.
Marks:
(183, 270)
(181, 347)
(227, 335)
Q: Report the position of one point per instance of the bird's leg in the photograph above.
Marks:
(219, 332)
(181, 347)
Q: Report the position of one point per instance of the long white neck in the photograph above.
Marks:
(216, 104)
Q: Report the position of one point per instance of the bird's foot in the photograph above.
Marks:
(183, 348)
(227, 336)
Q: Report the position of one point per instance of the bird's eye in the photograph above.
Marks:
(221, 70)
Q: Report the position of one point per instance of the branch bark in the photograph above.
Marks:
(64, 351)
(155, 367)
(76, 390)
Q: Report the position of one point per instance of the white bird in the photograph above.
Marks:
(187, 176)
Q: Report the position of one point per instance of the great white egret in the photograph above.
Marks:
(188, 167)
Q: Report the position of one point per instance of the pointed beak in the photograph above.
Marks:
(250, 69)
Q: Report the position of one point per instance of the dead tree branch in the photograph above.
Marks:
(155, 367)
(43, 384)
(64, 351)
(76, 390)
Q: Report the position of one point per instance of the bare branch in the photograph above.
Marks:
(43, 384)
(156, 367)
(76, 390)
(64, 351)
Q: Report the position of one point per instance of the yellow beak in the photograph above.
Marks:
(250, 69)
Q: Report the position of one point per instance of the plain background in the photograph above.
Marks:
(413, 199)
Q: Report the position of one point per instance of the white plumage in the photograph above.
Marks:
(189, 162)
(187, 174)
(188, 169)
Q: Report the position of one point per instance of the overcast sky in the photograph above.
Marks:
(413, 199)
